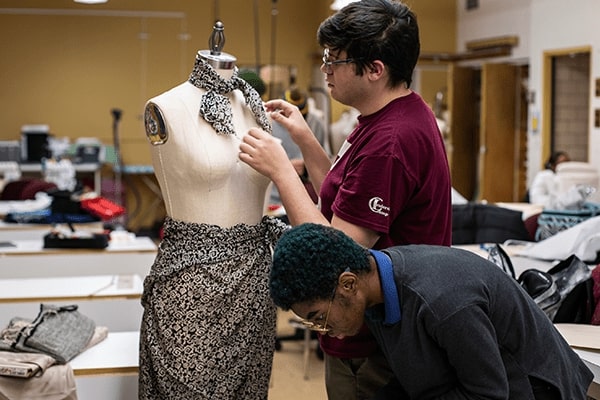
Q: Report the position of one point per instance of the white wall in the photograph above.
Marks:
(542, 25)
(557, 25)
(495, 18)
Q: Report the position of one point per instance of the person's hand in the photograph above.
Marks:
(265, 154)
(290, 117)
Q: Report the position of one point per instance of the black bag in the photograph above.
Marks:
(564, 293)
(498, 256)
(541, 287)
(65, 202)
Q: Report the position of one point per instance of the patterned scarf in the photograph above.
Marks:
(215, 108)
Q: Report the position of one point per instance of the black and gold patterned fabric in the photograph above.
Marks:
(208, 329)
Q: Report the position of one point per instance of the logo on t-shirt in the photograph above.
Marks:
(376, 205)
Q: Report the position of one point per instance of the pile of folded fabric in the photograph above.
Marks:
(34, 353)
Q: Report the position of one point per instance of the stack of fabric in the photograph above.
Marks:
(34, 353)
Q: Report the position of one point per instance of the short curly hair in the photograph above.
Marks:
(308, 260)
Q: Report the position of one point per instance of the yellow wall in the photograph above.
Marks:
(69, 71)
(68, 65)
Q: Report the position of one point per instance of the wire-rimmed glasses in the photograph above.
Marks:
(316, 326)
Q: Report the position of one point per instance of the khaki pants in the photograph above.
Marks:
(356, 378)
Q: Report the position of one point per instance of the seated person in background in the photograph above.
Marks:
(544, 185)
(299, 99)
(450, 323)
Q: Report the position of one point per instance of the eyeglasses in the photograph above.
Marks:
(316, 326)
(328, 65)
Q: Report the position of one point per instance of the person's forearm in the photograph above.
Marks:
(298, 205)
(316, 161)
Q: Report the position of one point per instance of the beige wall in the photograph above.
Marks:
(67, 65)
(69, 70)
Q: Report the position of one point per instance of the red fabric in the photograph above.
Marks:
(25, 189)
(596, 277)
(531, 224)
(35, 186)
(102, 208)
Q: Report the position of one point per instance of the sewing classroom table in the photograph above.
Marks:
(71, 288)
(520, 263)
(97, 296)
(585, 340)
(108, 370)
(29, 259)
(117, 354)
(23, 231)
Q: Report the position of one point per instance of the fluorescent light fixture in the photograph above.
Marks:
(339, 4)
(91, 1)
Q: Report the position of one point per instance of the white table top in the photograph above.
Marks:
(79, 167)
(527, 209)
(23, 231)
(520, 263)
(9, 226)
(117, 354)
(593, 360)
(70, 288)
(138, 244)
(585, 341)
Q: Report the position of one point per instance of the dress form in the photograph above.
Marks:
(209, 325)
(197, 168)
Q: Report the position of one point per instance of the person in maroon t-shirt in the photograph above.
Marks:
(390, 182)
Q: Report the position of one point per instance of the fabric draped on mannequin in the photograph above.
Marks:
(215, 108)
(209, 324)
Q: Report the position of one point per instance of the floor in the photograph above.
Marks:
(287, 380)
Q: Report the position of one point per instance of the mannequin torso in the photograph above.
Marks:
(198, 170)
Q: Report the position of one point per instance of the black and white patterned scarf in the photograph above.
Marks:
(215, 108)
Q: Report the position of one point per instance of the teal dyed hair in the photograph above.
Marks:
(308, 260)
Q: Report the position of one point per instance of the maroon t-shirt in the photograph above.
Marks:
(391, 176)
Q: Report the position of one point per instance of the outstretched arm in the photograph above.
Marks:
(265, 154)
(315, 157)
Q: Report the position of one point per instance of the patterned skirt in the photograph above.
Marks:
(208, 329)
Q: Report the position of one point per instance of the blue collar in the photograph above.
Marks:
(391, 302)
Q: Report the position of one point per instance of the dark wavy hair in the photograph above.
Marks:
(370, 30)
(551, 162)
(307, 262)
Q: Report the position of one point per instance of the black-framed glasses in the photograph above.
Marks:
(328, 64)
(316, 326)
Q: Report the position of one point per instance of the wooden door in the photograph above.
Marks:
(498, 140)
(463, 136)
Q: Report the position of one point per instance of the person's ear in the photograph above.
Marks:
(375, 69)
(348, 282)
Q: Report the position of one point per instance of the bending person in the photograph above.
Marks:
(390, 181)
(450, 323)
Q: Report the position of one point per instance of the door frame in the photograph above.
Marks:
(547, 89)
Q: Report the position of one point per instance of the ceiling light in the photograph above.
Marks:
(339, 4)
(90, 1)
